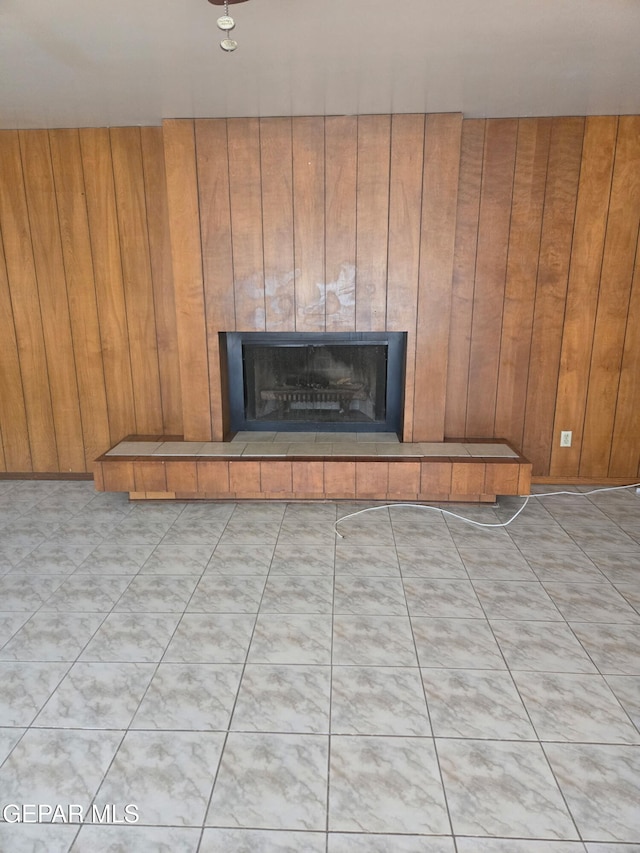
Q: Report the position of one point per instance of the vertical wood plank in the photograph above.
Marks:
(98, 478)
(372, 480)
(244, 477)
(52, 292)
(532, 153)
(308, 478)
(182, 476)
(524, 479)
(339, 479)
(105, 249)
(501, 478)
(490, 275)
(276, 476)
(308, 222)
(21, 274)
(613, 304)
(217, 259)
(439, 202)
(126, 152)
(213, 475)
(150, 476)
(435, 477)
(276, 169)
(372, 226)
(625, 451)
(405, 204)
(467, 478)
(464, 262)
(155, 189)
(404, 480)
(243, 137)
(83, 309)
(592, 210)
(341, 153)
(16, 455)
(553, 269)
(184, 226)
(118, 476)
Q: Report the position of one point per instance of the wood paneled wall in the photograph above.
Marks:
(88, 348)
(507, 249)
(313, 224)
(545, 324)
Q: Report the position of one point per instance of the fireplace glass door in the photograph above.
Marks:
(301, 381)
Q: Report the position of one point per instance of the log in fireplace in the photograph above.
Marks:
(351, 381)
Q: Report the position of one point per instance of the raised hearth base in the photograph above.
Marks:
(403, 472)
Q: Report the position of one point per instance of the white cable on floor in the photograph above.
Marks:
(527, 498)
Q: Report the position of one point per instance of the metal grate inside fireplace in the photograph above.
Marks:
(318, 382)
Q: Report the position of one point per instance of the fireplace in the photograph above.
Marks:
(330, 382)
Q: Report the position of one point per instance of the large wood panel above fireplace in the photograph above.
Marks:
(337, 224)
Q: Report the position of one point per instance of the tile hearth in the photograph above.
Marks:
(251, 682)
(312, 444)
(312, 466)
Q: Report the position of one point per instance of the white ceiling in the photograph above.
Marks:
(78, 63)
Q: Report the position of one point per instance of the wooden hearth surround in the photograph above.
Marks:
(379, 478)
(313, 224)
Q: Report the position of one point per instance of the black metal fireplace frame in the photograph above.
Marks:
(231, 348)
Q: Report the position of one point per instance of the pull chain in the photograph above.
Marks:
(226, 22)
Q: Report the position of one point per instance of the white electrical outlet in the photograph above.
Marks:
(565, 438)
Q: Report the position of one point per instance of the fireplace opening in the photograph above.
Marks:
(320, 382)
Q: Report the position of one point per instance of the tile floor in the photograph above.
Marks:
(249, 682)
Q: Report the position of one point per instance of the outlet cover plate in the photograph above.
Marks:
(565, 438)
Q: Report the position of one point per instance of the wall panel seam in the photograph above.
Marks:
(153, 291)
(589, 391)
(35, 278)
